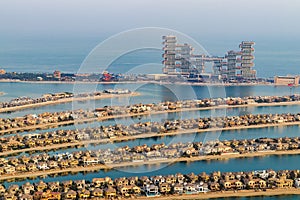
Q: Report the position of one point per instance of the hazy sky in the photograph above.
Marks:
(263, 18)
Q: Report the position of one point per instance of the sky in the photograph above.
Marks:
(199, 18)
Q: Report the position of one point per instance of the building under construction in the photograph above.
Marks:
(179, 59)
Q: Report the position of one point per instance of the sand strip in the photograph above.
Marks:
(67, 100)
(228, 194)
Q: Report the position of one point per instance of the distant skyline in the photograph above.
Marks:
(198, 18)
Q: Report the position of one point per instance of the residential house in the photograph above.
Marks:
(63, 163)
(47, 195)
(124, 190)
(180, 178)
(9, 169)
(178, 188)
(164, 188)
(31, 167)
(214, 186)
(97, 192)
(135, 190)
(132, 180)
(27, 188)
(54, 186)
(190, 188)
(83, 193)
(297, 182)
(2, 189)
(40, 186)
(121, 181)
(152, 190)
(42, 166)
(98, 182)
(110, 192)
(79, 184)
(21, 168)
(52, 164)
(8, 196)
(170, 179)
(13, 189)
(70, 195)
(26, 197)
(73, 162)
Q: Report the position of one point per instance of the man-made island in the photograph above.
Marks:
(47, 119)
(85, 161)
(21, 103)
(173, 186)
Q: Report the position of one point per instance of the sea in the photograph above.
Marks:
(40, 55)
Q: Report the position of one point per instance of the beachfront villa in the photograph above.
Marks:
(156, 186)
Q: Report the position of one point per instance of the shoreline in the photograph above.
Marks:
(67, 100)
(228, 194)
(141, 82)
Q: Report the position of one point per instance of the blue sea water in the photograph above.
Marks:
(40, 54)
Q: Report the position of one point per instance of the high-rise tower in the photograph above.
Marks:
(169, 54)
(233, 61)
(247, 58)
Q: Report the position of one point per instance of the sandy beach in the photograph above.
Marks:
(228, 194)
(139, 82)
(67, 100)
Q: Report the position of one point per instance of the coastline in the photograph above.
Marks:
(139, 82)
(228, 194)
